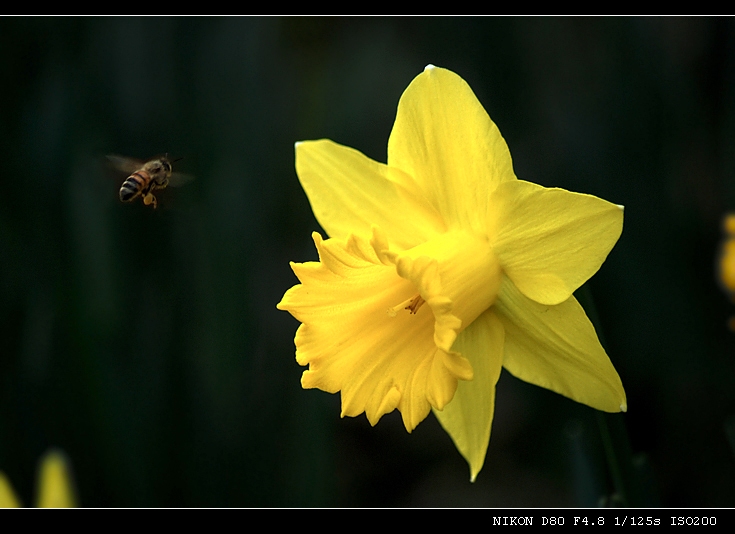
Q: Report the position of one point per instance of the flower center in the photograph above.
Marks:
(412, 305)
(459, 276)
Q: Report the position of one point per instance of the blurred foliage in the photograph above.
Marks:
(146, 344)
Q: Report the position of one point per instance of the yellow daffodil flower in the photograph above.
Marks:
(54, 485)
(727, 256)
(441, 268)
(726, 261)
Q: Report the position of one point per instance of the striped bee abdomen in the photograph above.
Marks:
(135, 184)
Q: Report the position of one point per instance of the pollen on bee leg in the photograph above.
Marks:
(412, 305)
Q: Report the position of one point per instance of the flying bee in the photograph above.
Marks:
(146, 177)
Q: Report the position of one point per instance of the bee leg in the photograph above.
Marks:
(148, 199)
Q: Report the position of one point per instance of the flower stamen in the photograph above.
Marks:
(415, 304)
(412, 305)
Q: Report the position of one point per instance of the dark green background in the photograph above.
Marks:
(147, 346)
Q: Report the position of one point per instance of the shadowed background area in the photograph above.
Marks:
(147, 346)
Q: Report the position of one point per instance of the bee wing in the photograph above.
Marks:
(177, 179)
(128, 165)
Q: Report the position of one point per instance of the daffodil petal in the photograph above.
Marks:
(445, 141)
(8, 498)
(349, 193)
(551, 241)
(556, 347)
(55, 488)
(469, 416)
